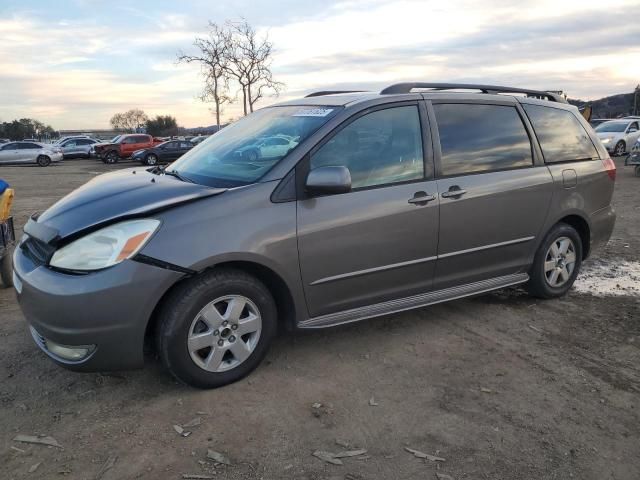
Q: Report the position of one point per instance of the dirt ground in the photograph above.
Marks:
(500, 386)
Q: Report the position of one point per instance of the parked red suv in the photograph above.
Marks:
(124, 147)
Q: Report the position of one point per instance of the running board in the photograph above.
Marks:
(409, 303)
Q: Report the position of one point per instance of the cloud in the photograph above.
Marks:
(578, 52)
(75, 67)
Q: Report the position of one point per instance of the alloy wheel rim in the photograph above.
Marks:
(152, 160)
(224, 333)
(560, 262)
(619, 149)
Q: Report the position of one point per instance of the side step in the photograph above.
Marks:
(409, 303)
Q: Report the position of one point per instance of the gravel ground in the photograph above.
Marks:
(500, 386)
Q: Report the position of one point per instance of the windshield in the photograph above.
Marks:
(243, 152)
(115, 139)
(612, 127)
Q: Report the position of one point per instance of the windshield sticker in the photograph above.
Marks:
(313, 112)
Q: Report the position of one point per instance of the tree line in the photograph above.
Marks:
(26, 128)
(135, 120)
(233, 57)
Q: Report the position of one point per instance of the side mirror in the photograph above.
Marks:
(328, 180)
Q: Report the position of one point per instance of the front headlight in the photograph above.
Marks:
(105, 247)
(605, 140)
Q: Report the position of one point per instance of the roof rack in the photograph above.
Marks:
(407, 87)
(331, 92)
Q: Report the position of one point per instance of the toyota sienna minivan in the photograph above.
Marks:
(312, 213)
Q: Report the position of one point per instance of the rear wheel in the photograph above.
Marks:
(43, 160)
(556, 263)
(216, 328)
(6, 270)
(619, 148)
(112, 157)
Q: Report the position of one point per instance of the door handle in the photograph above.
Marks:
(421, 198)
(453, 192)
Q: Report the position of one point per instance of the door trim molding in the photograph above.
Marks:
(391, 266)
(487, 247)
(366, 271)
(415, 301)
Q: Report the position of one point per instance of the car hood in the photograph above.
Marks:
(142, 150)
(608, 134)
(103, 144)
(109, 197)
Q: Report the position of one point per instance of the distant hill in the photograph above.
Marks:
(609, 107)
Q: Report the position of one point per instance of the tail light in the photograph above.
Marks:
(610, 168)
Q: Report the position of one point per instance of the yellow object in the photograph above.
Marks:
(5, 204)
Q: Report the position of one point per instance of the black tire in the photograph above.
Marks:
(151, 159)
(111, 157)
(538, 284)
(637, 171)
(182, 307)
(619, 149)
(43, 161)
(6, 268)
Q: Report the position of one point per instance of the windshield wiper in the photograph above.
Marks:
(174, 173)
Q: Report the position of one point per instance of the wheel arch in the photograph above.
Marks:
(273, 281)
(581, 225)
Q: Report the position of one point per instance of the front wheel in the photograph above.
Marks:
(556, 263)
(619, 149)
(112, 157)
(43, 160)
(216, 328)
(6, 271)
(151, 159)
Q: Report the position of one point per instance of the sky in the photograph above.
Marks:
(75, 63)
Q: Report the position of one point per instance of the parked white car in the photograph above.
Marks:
(30, 152)
(618, 135)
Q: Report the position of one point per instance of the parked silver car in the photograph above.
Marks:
(30, 152)
(77, 147)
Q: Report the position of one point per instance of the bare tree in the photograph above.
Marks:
(213, 62)
(130, 120)
(249, 63)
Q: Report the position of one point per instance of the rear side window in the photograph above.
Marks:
(379, 148)
(561, 136)
(478, 138)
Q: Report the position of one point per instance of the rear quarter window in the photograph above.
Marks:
(477, 138)
(561, 136)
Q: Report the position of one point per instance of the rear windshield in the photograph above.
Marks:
(562, 137)
(612, 127)
(243, 152)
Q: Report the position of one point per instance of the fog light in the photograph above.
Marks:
(72, 354)
(62, 352)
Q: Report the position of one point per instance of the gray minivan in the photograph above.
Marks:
(368, 204)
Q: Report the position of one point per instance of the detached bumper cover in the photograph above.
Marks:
(109, 309)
